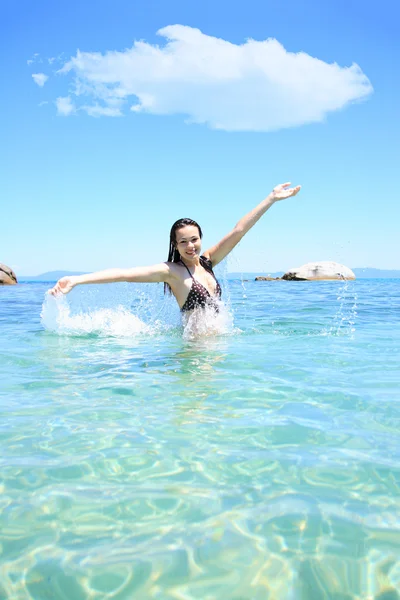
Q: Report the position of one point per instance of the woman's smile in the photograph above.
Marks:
(188, 241)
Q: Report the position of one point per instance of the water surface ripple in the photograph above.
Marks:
(262, 463)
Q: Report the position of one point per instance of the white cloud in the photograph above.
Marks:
(40, 78)
(256, 86)
(65, 106)
(102, 111)
(33, 59)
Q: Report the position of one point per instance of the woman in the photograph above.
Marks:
(187, 274)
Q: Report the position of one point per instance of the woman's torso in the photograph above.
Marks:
(196, 287)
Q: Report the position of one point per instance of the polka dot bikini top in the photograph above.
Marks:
(199, 296)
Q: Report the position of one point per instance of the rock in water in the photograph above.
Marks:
(262, 278)
(7, 275)
(319, 271)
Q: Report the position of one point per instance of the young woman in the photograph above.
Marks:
(188, 274)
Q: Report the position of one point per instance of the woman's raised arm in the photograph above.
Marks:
(222, 249)
(153, 274)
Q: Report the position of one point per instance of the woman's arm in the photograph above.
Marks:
(155, 273)
(222, 249)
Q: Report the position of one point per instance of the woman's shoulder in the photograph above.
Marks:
(175, 269)
(173, 266)
(205, 261)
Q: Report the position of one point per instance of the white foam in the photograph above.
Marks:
(56, 316)
(204, 322)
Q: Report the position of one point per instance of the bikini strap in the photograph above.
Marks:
(207, 265)
(182, 263)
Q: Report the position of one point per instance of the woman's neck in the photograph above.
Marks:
(194, 262)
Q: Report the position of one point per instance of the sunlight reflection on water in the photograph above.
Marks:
(261, 462)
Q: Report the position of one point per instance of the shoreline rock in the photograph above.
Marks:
(262, 278)
(7, 275)
(320, 271)
(315, 271)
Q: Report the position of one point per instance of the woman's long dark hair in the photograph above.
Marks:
(173, 254)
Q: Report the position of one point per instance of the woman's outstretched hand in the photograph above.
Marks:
(63, 286)
(283, 191)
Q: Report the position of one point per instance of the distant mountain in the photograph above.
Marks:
(252, 276)
(369, 273)
(50, 276)
(360, 273)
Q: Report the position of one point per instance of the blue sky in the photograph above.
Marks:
(218, 122)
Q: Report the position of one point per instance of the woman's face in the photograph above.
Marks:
(188, 242)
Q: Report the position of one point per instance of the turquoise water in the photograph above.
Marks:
(261, 462)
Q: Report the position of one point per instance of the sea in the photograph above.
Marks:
(256, 457)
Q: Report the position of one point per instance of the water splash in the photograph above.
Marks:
(57, 316)
(129, 312)
(345, 317)
(204, 322)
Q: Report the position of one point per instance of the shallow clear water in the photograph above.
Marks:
(259, 463)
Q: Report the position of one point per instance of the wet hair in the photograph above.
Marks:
(173, 254)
